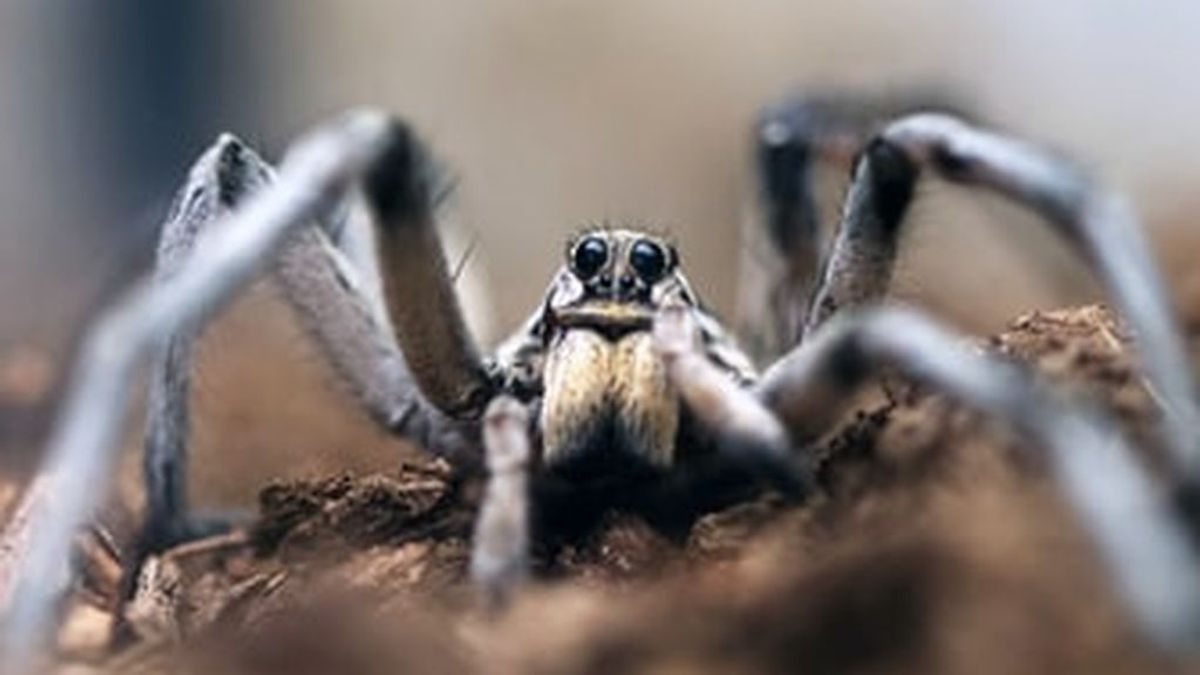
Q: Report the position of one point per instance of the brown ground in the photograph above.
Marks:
(936, 546)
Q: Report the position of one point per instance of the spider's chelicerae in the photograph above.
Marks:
(621, 390)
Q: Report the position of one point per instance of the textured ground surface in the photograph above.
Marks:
(938, 545)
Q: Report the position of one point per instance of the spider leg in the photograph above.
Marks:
(1141, 538)
(336, 304)
(381, 305)
(500, 553)
(747, 432)
(1099, 223)
(17, 533)
(418, 289)
(792, 138)
(220, 178)
(338, 298)
(81, 447)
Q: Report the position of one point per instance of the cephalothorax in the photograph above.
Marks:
(621, 390)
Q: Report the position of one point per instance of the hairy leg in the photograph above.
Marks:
(384, 283)
(338, 301)
(1100, 224)
(500, 553)
(80, 453)
(220, 179)
(748, 434)
(419, 292)
(794, 137)
(1142, 539)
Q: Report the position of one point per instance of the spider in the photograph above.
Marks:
(621, 390)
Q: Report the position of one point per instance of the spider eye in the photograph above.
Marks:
(589, 256)
(648, 259)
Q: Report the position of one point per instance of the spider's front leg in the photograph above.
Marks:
(500, 549)
(747, 433)
(445, 363)
(417, 285)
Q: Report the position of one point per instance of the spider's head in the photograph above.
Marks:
(608, 407)
(615, 279)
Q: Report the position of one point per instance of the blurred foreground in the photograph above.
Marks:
(939, 546)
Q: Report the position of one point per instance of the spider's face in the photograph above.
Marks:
(607, 398)
(613, 281)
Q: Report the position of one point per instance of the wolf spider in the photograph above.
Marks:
(621, 390)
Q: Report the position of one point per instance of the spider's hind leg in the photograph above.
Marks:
(1096, 222)
(794, 138)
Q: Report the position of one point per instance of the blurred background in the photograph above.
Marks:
(551, 115)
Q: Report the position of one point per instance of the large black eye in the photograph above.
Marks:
(589, 256)
(649, 259)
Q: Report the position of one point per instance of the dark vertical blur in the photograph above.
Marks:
(104, 104)
(149, 83)
(141, 73)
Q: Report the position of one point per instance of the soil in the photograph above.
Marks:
(937, 544)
